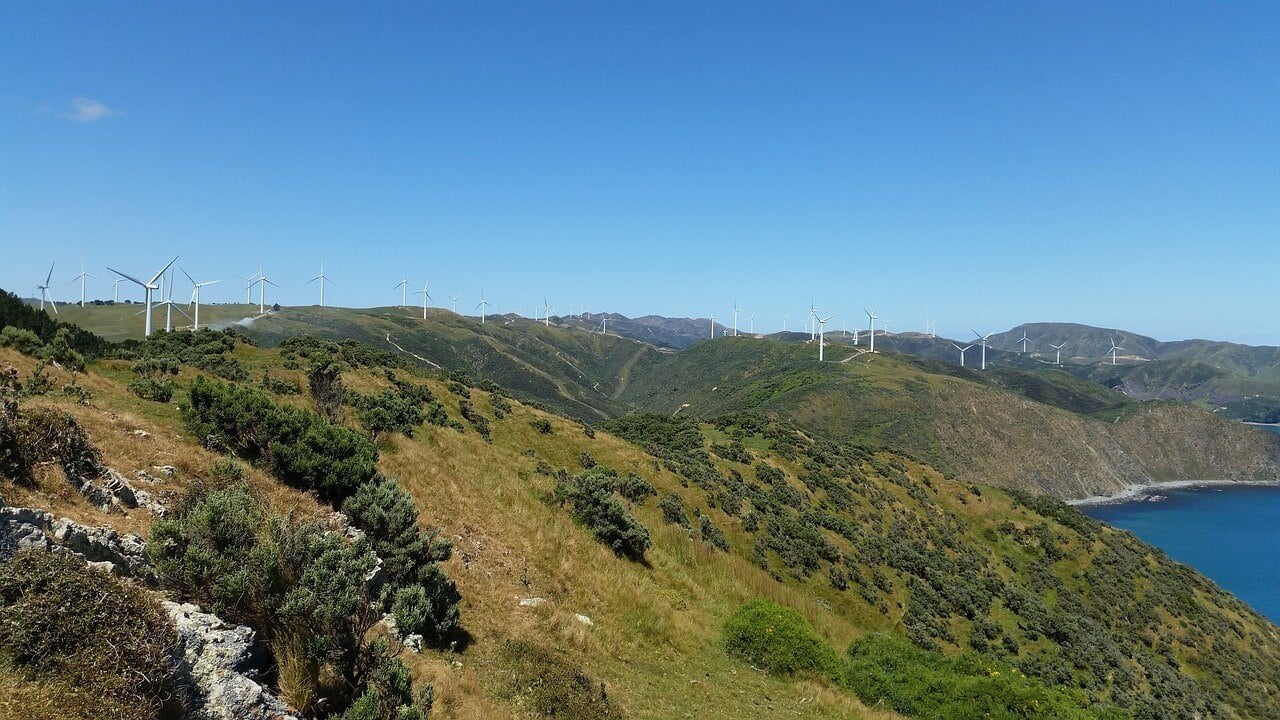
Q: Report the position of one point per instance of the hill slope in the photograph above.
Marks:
(859, 541)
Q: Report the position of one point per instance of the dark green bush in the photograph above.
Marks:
(546, 685)
(388, 411)
(673, 510)
(635, 488)
(327, 390)
(478, 421)
(594, 504)
(280, 386)
(389, 516)
(542, 425)
(107, 644)
(887, 670)
(586, 460)
(151, 389)
(779, 640)
(711, 535)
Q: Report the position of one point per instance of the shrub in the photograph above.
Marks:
(436, 414)
(389, 516)
(542, 425)
(151, 389)
(586, 460)
(429, 609)
(327, 391)
(887, 670)
(388, 411)
(280, 386)
(711, 535)
(594, 505)
(478, 421)
(544, 684)
(20, 339)
(673, 510)
(501, 406)
(105, 642)
(635, 488)
(779, 640)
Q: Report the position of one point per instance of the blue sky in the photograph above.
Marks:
(981, 165)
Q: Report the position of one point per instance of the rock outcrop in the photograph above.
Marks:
(23, 528)
(219, 663)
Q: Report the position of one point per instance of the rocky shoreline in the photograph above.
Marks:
(1153, 491)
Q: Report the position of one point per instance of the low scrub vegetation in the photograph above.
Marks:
(593, 501)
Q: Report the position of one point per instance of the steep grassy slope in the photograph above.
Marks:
(1056, 435)
(858, 541)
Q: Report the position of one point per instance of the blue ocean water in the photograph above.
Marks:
(1228, 534)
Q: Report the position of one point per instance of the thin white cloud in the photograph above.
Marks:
(84, 110)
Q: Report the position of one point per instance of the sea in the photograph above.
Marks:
(1230, 534)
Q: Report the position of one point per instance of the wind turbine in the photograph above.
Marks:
(263, 281)
(872, 317)
(1114, 348)
(983, 339)
(1058, 360)
(855, 336)
(322, 278)
(44, 291)
(149, 286)
(249, 280)
(425, 292)
(885, 322)
(812, 322)
(404, 290)
(546, 311)
(81, 277)
(713, 327)
(115, 290)
(454, 306)
(784, 322)
(166, 291)
(961, 349)
(482, 306)
(929, 328)
(735, 318)
(1024, 340)
(195, 297)
(822, 327)
(751, 323)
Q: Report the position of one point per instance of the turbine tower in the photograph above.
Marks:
(822, 327)
(1024, 340)
(1058, 360)
(546, 312)
(604, 324)
(263, 281)
(812, 322)
(195, 297)
(81, 277)
(44, 291)
(482, 306)
(929, 327)
(1114, 348)
(425, 292)
(872, 317)
(751, 323)
(961, 349)
(115, 290)
(713, 327)
(249, 280)
(454, 306)
(321, 278)
(735, 318)
(983, 339)
(404, 290)
(149, 286)
(784, 322)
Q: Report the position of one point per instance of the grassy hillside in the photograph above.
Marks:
(859, 542)
(1044, 431)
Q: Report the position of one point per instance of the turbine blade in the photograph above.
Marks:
(162, 270)
(128, 277)
(184, 272)
(49, 277)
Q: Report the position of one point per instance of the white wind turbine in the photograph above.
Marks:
(929, 326)
(812, 322)
(166, 292)
(713, 327)
(321, 278)
(735, 318)
(751, 323)
(249, 280)
(1058, 360)
(983, 339)
(1114, 348)
(195, 297)
(263, 281)
(454, 307)
(872, 317)
(425, 292)
(115, 290)
(149, 286)
(482, 306)
(44, 291)
(885, 322)
(404, 290)
(604, 324)
(822, 327)
(1024, 340)
(546, 312)
(784, 322)
(81, 277)
(855, 336)
(962, 350)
